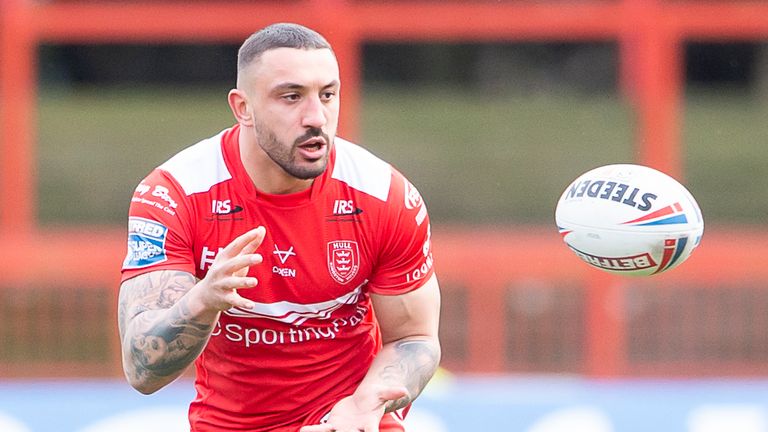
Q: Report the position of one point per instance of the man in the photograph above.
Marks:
(261, 254)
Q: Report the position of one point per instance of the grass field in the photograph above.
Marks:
(477, 158)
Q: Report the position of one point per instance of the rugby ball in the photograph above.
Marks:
(629, 219)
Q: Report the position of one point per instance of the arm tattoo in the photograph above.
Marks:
(416, 362)
(157, 329)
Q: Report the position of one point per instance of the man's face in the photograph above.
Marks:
(294, 97)
(151, 348)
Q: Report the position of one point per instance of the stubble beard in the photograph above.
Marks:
(285, 156)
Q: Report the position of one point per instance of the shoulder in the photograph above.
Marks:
(198, 167)
(366, 172)
(362, 170)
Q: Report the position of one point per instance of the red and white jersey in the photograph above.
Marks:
(361, 228)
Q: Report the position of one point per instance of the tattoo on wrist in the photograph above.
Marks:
(416, 362)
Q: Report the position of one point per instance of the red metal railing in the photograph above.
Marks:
(650, 34)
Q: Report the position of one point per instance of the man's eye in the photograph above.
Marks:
(291, 97)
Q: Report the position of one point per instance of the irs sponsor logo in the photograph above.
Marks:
(634, 262)
(223, 210)
(224, 207)
(146, 243)
(344, 211)
(345, 207)
(343, 260)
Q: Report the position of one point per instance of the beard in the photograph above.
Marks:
(285, 155)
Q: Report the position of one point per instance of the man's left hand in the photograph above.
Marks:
(359, 412)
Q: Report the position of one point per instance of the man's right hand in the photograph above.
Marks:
(229, 272)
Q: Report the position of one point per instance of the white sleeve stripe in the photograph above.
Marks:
(361, 170)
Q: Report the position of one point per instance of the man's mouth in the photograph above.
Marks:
(313, 144)
(312, 148)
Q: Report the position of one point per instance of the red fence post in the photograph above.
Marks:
(17, 118)
(605, 350)
(349, 51)
(341, 32)
(652, 50)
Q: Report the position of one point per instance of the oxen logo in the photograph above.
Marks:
(343, 260)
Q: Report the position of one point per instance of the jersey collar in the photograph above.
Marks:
(231, 150)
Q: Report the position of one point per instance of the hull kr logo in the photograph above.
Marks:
(343, 260)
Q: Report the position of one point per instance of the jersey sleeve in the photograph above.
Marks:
(405, 259)
(159, 234)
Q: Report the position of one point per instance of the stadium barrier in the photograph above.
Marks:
(515, 300)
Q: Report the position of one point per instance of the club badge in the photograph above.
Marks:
(343, 260)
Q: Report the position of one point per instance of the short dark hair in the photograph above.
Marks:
(280, 35)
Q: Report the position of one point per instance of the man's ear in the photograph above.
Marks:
(238, 103)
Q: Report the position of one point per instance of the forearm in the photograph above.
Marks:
(163, 327)
(159, 345)
(409, 363)
(166, 316)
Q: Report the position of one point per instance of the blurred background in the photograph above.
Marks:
(491, 108)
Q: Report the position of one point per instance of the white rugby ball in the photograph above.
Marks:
(629, 219)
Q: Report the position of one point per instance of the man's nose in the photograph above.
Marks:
(314, 114)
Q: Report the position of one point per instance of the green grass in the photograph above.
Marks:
(726, 147)
(96, 144)
(477, 158)
(484, 159)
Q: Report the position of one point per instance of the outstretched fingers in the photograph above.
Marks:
(229, 271)
(238, 266)
(244, 244)
(238, 255)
